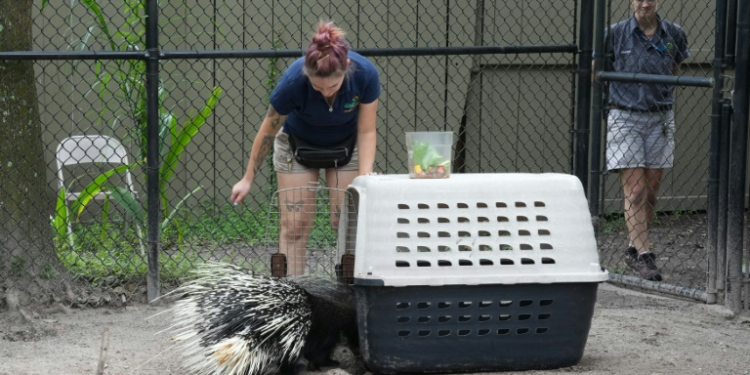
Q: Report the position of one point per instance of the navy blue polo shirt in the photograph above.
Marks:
(308, 114)
(633, 52)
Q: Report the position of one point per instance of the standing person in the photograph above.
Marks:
(322, 116)
(640, 124)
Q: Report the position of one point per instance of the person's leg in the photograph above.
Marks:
(338, 180)
(636, 217)
(297, 212)
(653, 180)
(640, 188)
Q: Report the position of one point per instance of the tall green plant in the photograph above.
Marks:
(180, 138)
(128, 77)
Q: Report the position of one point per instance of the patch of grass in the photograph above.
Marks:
(612, 223)
(109, 253)
(17, 265)
(48, 272)
(113, 268)
(220, 224)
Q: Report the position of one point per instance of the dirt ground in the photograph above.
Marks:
(631, 333)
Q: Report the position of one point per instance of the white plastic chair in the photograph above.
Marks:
(83, 149)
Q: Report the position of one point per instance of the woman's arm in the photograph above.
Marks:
(262, 145)
(367, 136)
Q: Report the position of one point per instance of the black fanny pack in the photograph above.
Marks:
(334, 156)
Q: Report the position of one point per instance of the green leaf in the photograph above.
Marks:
(184, 137)
(61, 217)
(167, 126)
(105, 220)
(95, 187)
(128, 201)
(425, 155)
(94, 7)
(169, 218)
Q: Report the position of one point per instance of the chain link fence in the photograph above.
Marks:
(673, 222)
(511, 103)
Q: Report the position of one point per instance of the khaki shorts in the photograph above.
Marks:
(284, 162)
(640, 140)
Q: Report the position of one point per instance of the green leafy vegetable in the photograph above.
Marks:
(425, 155)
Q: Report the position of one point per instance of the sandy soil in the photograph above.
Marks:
(631, 333)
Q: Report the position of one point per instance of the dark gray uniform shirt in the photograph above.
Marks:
(632, 52)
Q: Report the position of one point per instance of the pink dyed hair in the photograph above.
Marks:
(327, 53)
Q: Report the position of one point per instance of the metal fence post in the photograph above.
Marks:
(738, 163)
(153, 162)
(713, 170)
(731, 33)
(723, 186)
(595, 184)
(582, 130)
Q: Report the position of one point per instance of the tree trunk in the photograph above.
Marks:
(30, 271)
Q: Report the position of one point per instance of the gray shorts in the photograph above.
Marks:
(284, 162)
(640, 139)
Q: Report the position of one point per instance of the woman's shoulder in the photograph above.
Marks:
(362, 66)
(293, 74)
(295, 68)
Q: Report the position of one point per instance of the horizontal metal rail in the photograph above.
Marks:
(74, 55)
(245, 53)
(374, 52)
(655, 78)
(661, 287)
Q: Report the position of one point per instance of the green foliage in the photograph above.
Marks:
(612, 223)
(61, 219)
(129, 78)
(108, 254)
(48, 272)
(182, 137)
(224, 224)
(17, 265)
(94, 188)
(114, 259)
(426, 155)
(104, 266)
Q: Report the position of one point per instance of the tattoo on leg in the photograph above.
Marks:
(292, 206)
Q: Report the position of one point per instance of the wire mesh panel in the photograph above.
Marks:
(303, 224)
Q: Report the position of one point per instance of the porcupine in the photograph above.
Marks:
(228, 322)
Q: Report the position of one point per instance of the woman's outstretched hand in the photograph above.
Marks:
(240, 190)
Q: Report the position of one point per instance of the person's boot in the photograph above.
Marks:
(644, 264)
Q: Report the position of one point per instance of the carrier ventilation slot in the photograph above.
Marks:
(424, 317)
(482, 304)
(469, 332)
(436, 229)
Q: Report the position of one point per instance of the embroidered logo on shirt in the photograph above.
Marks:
(663, 48)
(348, 107)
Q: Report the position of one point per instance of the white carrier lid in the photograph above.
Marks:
(472, 229)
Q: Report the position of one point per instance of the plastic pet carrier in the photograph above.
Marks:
(477, 272)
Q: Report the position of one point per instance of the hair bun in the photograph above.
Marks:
(327, 52)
